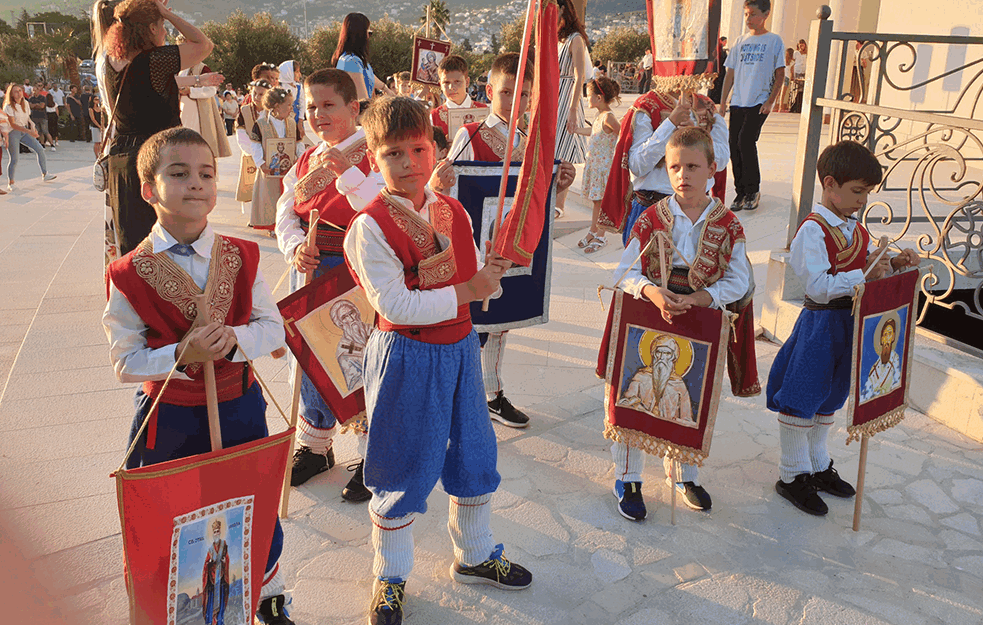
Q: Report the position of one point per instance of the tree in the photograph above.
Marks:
(438, 13)
(495, 47)
(66, 44)
(390, 50)
(466, 45)
(242, 42)
(512, 35)
(621, 44)
(18, 58)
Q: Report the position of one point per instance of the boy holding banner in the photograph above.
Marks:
(709, 267)
(810, 377)
(334, 178)
(454, 81)
(151, 323)
(413, 253)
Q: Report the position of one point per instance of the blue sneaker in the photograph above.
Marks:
(630, 502)
(496, 571)
(387, 602)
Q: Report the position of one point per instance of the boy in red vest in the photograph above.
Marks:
(810, 377)
(413, 252)
(152, 306)
(487, 141)
(454, 81)
(333, 177)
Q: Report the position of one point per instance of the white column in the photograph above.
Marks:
(779, 17)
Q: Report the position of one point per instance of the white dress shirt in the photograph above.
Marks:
(462, 150)
(133, 361)
(358, 188)
(648, 148)
(732, 286)
(466, 104)
(380, 273)
(255, 148)
(810, 260)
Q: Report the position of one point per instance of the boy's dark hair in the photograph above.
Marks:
(849, 160)
(453, 63)
(340, 80)
(404, 76)
(508, 65)
(440, 139)
(396, 118)
(258, 70)
(275, 97)
(148, 159)
(693, 137)
(762, 5)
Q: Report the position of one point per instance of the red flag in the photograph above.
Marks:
(522, 228)
(198, 529)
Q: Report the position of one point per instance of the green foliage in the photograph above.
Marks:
(478, 64)
(321, 45)
(5, 28)
(17, 49)
(242, 42)
(391, 49)
(438, 13)
(466, 45)
(495, 45)
(511, 36)
(621, 44)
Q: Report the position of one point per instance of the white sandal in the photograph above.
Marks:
(595, 245)
(588, 238)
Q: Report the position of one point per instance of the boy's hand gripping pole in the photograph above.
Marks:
(211, 390)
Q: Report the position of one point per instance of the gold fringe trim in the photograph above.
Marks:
(884, 422)
(652, 445)
(359, 424)
(691, 82)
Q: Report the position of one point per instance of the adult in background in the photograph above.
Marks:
(230, 110)
(39, 113)
(352, 56)
(97, 123)
(75, 115)
(5, 129)
(570, 146)
(140, 71)
(718, 84)
(22, 133)
(86, 99)
(51, 110)
(646, 65)
(198, 86)
(59, 95)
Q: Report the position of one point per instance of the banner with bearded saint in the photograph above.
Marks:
(684, 37)
(883, 342)
(662, 379)
(328, 323)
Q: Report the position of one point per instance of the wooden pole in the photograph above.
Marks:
(211, 390)
(861, 474)
(672, 477)
(428, 20)
(882, 247)
(295, 402)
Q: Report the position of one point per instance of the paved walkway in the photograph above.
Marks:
(918, 558)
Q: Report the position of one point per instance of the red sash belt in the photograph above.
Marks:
(329, 240)
(438, 335)
(231, 380)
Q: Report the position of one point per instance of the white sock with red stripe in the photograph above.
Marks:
(793, 432)
(629, 462)
(392, 540)
(317, 439)
(272, 584)
(362, 443)
(818, 447)
(492, 355)
(469, 524)
(681, 472)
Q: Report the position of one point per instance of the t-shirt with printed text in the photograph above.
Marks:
(754, 59)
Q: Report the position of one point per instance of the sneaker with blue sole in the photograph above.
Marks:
(630, 502)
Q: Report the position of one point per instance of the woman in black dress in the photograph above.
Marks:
(140, 72)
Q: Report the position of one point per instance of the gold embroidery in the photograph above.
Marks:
(318, 176)
(437, 269)
(846, 252)
(438, 266)
(496, 142)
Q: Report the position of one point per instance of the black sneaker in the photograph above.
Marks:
(504, 412)
(831, 482)
(630, 502)
(752, 201)
(802, 493)
(694, 495)
(307, 464)
(387, 603)
(738, 204)
(496, 571)
(355, 490)
(272, 612)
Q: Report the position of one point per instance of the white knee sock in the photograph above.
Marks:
(818, 448)
(272, 584)
(318, 440)
(491, 363)
(362, 443)
(392, 540)
(468, 524)
(682, 472)
(629, 462)
(793, 432)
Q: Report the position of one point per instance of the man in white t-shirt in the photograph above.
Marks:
(59, 97)
(757, 64)
(646, 66)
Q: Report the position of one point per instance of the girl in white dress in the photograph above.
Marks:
(600, 152)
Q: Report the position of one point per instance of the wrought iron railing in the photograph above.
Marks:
(932, 193)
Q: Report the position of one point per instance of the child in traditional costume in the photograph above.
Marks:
(454, 81)
(249, 114)
(487, 141)
(274, 137)
(334, 178)
(413, 252)
(151, 327)
(709, 267)
(810, 376)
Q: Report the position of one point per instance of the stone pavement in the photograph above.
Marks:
(918, 558)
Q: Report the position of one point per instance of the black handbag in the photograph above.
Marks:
(100, 170)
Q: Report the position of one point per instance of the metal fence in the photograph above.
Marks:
(932, 154)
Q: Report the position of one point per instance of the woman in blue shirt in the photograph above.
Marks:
(352, 56)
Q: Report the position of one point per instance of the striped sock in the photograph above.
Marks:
(818, 447)
(491, 363)
(272, 584)
(628, 462)
(682, 472)
(469, 526)
(317, 439)
(392, 540)
(793, 432)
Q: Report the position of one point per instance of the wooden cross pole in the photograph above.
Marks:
(861, 474)
(211, 390)
(664, 269)
(295, 402)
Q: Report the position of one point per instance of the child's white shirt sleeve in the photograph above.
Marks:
(461, 149)
(648, 145)
(810, 262)
(634, 280)
(721, 143)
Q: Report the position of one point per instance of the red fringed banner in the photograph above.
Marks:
(684, 43)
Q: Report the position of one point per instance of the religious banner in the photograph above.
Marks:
(456, 118)
(684, 43)
(328, 323)
(427, 55)
(883, 343)
(197, 533)
(662, 380)
(282, 153)
(525, 299)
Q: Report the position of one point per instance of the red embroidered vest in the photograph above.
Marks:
(315, 188)
(426, 265)
(843, 255)
(164, 297)
(489, 144)
(721, 231)
(438, 117)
